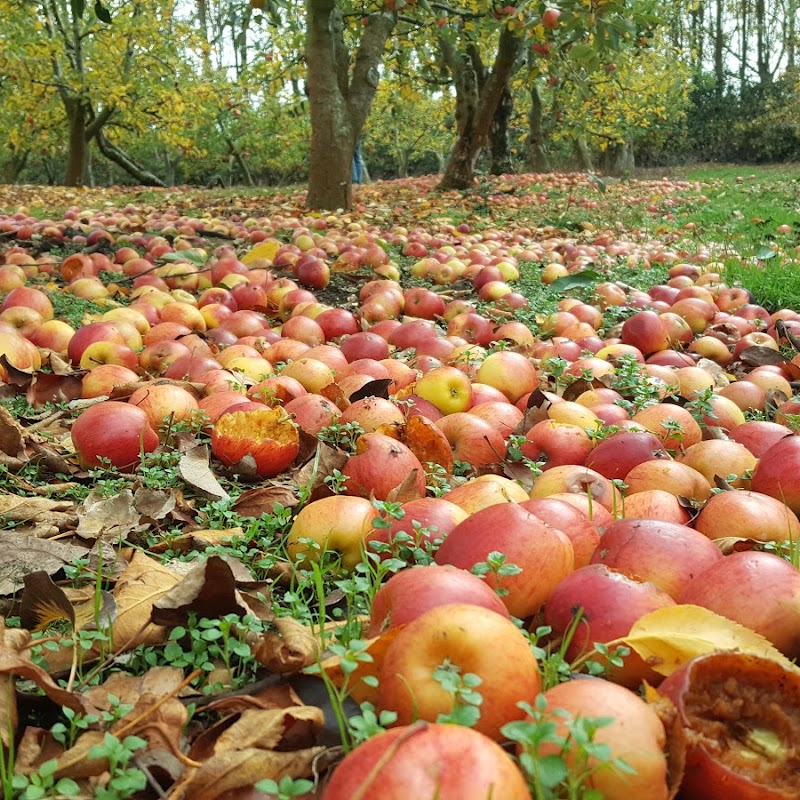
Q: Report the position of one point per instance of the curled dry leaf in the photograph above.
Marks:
(288, 647)
(208, 590)
(195, 470)
(427, 442)
(54, 388)
(257, 502)
(198, 540)
(235, 770)
(21, 554)
(108, 518)
(669, 637)
(312, 474)
(157, 681)
(155, 503)
(11, 434)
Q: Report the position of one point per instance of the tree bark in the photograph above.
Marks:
(762, 45)
(583, 154)
(537, 140)
(119, 157)
(77, 116)
(619, 159)
(476, 105)
(339, 97)
(719, 49)
(502, 162)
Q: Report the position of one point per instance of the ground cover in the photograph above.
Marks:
(280, 486)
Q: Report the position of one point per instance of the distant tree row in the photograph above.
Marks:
(279, 91)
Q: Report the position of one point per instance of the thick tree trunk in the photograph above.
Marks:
(77, 116)
(619, 159)
(477, 106)
(762, 45)
(537, 140)
(119, 157)
(502, 162)
(339, 97)
(583, 154)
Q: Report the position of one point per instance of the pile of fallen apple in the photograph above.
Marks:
(650, 489)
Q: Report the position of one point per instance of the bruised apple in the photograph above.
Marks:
(427, 760)
(463, 638)
(665, 553)
(411, 592)
(381, 465)
(741, 715)
(266, 435)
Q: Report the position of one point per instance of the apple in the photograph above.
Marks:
(717, 457)
(543, 553)
(472, 440)
(550, 18)
(554, 444)
(28, 297)
(165, 403)
(645, 331)
(667, 554)
(578, 480)
(749, 515)
(54, 334)
(734, 708)
(312, 412)
(88, 334)
(674, 477)
(449, 389)
(423, 760)
(757, 435)
(113, 432)
(634, 734)
(730, 587)
(106, 352)
(512, 373)
(672, 424)
(332, 524)
(102, 380)
(609, 603)
(579, 529)
(381, 465)
(776, 473)
(267, 436)
(411, 592)
(467, 638)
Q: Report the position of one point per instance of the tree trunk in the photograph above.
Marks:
(719, 49)
(339, 97)
(502, 162)
(77, 116)
(583, 154)
(119, 157)
(476, 107)
(619, 159)
(762, 45)
(537, 151)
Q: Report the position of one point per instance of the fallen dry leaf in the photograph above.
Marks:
(111, 519)
(195, 470)
(208, 590)
(11, 434)
(257, 502)
(427, 442)
(669, 637)
(155, 504)
(198, 540)
(21, 554)
(288, 647)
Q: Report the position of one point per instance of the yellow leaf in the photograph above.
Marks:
(262, 250)
(669, 637)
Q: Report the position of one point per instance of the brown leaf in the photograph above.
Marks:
(75, 762)
(376, 388)
(334, 393)
(157, 681)
(142, 583)
(15, 376)
(536, 411)
(288, 647)
(154, 503)
(288, 729)
(54, 388)
(160, 721)
(195, 470)
(15, 662)
(11, 434)
(235, 770)
(43, 603)
(427, 442)
(21, 554)
(198, 540)
(758, 356)
(405, 491)
(256, 502)
(108, 518)
(313, 473)
(208, 590)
